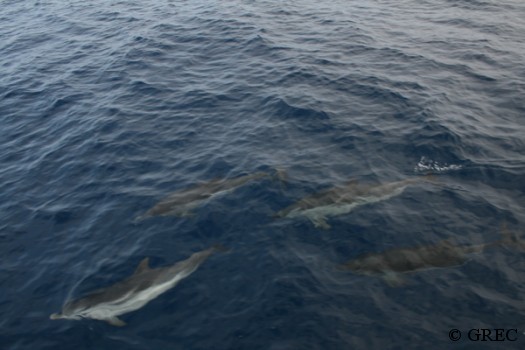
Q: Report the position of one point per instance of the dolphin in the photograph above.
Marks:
(342, 199)
(134, 292)
(181, 203)
(391, 263)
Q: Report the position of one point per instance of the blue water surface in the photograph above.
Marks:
(108, 106)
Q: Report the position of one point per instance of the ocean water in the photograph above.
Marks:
(108, 106)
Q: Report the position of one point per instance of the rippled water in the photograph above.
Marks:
(108, 106)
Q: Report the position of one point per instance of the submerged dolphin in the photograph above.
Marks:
(181, 203)
(391, 263)
(134, 292)
(343, 199)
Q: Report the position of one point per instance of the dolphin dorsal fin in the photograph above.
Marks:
(143, 266)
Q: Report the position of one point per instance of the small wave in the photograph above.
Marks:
(426, 165)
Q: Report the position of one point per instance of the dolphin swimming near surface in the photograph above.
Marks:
(342, 199)
(393, 262)
(181, 203)
(134, 292)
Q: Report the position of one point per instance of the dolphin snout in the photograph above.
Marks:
(55, 316)
(277, 215)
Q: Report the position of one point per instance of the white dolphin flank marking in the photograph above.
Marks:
(132, 293)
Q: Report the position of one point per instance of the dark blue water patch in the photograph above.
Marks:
(61, 105)
(376, 93)
(472, 4)
(286, 111)
(24, 94)
(257, 46)
(57, 217)
(435, 140)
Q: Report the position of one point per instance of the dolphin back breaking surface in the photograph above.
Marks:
(342, 199)
(181, 203)
(134, 292)
(391, 263)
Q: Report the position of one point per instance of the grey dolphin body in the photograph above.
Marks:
(132, 293)
(343, 199)
(391, 263)
(181, 203)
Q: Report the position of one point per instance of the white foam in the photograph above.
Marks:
(426, 165)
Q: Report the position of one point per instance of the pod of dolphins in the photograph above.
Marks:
(147, 283)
